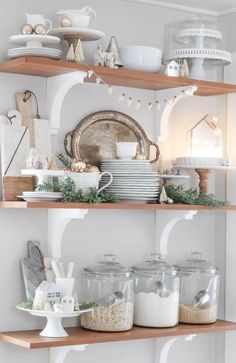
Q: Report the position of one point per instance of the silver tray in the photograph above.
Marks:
(94, 137)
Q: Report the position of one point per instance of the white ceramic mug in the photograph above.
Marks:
(80, 18)
(126, 150)
(35, 19)
(85, 181)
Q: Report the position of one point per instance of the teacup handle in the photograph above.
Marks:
(110, 181)
(49, 22)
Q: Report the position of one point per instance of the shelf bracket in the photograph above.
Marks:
(58, 355)
(58, 220)
(162, 357)
(57, 89)
(165, 222)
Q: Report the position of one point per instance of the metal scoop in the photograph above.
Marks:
(112, 299)
(160, 289)
(201, 299)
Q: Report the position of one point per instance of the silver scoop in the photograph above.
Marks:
(201, 299)
(160, 289)
(112, 299)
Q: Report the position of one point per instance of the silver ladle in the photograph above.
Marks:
(201, 299)
(160, 289)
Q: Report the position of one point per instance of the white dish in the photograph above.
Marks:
(42, 194)
(140, 58)
(85, 33)
(18, 55)
(40, 52)
(53, 328)
(43, 39)
(123, 161)
(39, 199)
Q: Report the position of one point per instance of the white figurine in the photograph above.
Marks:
(71, 54)
(33, 160)
(109, 60)
(79, 54)
(163, 196)
(68, 303)
(184, 69)
(172, 69)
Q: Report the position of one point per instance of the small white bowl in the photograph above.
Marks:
(126, 150)
(141, 58)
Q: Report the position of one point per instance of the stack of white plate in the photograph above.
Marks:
(133, 180)
(32, 45)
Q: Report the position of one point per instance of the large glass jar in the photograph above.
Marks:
(111, 287)
(199, 291)
(156, 302)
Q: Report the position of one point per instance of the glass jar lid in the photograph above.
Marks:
(196, 264)
(108, 267)
(155, 265)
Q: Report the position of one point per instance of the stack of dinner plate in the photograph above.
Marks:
(133, 180)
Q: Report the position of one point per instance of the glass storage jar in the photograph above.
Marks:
(199, 291)
(156, 302)
(111, 287)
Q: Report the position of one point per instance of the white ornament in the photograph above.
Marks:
(163, 196)
(172, 69)
(71, 54)
(79, 54)
(68, 303)
(33, 160)
(184, 72)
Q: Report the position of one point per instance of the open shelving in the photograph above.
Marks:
(32, 340)
(36, 66)
(115, 206)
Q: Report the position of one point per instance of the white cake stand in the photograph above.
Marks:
(72, 35)
(54, 328)
(203, 173)
(41, 174)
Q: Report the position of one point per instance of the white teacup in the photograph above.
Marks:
(85, 181)
(126, 150)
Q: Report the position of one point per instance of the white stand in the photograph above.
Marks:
(54, 328)
(58, 355)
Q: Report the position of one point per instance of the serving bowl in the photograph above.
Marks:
(141, 58)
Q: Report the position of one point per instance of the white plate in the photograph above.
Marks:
(39, 199)
(85, 33)
(42, 194)
(17, 55)
(35, 50)
(23, 39)
(123, 161)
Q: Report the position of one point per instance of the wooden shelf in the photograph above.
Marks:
(31, 339)
(114, 206)
(43, 67)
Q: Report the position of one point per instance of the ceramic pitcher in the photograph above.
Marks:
(79, 18)
(35, 19)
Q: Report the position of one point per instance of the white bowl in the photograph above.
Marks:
(140, 58)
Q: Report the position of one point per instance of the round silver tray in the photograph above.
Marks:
(95, 136)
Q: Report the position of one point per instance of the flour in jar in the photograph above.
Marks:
(152, 310)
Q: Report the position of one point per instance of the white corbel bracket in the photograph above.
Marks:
(165, 222)
(57, 89)
(58, 220)
(168, 108)
(162, 356)
(58, 355)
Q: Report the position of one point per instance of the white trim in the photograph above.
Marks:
(184, 8)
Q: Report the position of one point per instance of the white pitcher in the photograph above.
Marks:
(35, 19)
(79, 18)
(85, 181)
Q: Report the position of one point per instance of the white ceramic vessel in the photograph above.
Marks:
(140, 58)
(35, 19)
(85, 181)
(80, 18)
(54, 328)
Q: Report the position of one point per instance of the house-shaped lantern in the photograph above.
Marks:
(172, 69)
(205, 139)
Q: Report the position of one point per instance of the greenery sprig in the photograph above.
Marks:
(66, 161)
(70, 194)
(180, 195)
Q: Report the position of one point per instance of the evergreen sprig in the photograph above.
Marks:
(70, 194)
(180, 195)
(65, 160)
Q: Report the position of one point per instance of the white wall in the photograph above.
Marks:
(85, 241)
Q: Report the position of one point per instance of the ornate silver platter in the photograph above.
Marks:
(95, 136)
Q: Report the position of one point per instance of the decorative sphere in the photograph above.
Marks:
(27, 29)
(40, 29)
(92, 169)
(66, 23)
(78, 166)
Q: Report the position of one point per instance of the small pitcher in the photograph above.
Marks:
(35, 19)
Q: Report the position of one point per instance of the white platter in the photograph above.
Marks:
(44, 39)
(85, 33)
(53, 328)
